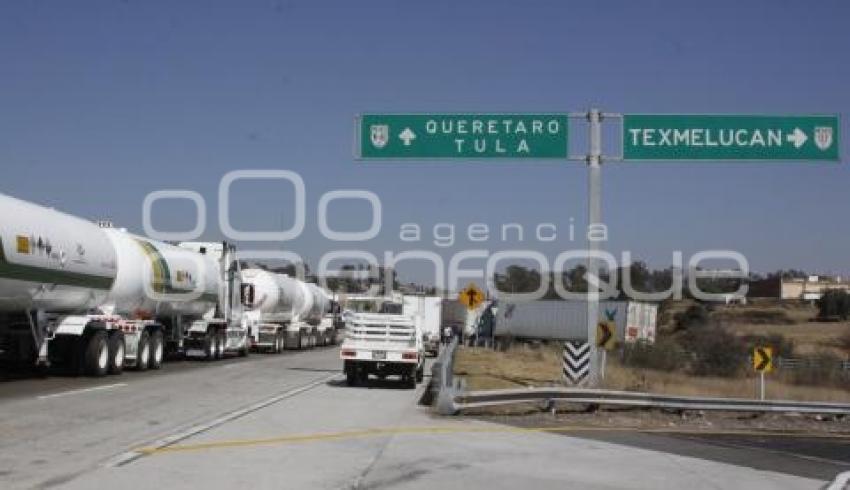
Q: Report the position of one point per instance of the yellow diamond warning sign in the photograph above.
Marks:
(471, 296)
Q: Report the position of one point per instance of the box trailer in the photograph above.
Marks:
(567, 320)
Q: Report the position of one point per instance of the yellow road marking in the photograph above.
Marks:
(354, 434)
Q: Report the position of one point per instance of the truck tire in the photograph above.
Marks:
(221, 344)
(351, 378)
(96, 357)
(279, 342)
(210, 339)
(409, 379)
(143, 353)
(156, 352)
(116, 353)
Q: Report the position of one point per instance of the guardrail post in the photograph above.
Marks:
(443, 373)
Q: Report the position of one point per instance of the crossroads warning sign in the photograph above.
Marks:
(471, 296)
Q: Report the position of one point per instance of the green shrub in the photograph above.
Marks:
(694, 316)
(664, 355)
(714, 351)
(834, 304)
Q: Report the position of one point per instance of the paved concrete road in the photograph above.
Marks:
(53, 430)
(290, 422)
(810, 457)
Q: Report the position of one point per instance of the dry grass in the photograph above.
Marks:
(522, 366)
(618, 377)
(809, 338)
(787, 312)
(792, 320)
(484, 369)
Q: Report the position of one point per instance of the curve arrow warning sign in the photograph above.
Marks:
(605, 333)
(763, 359)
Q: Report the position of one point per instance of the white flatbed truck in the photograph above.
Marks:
(382, 345)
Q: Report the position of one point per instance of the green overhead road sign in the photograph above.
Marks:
(729, 137)
(460, 136)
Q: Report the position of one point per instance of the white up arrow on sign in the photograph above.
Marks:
(798, 137)
(407, 136)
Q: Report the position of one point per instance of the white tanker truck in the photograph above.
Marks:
(98, 298)
(283, 312)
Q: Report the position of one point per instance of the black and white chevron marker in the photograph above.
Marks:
(576, 362)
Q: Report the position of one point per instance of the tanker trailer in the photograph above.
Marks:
(54, 269)
(175, 299)
(321, 316)
(282, 308)
(95, 298)
(304, 329)
(268, 301)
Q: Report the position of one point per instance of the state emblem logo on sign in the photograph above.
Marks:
(823, 137)
(380, 135)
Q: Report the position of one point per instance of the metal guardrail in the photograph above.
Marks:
(442, 380)
(477, 399)
(789, 363)
(798, 363)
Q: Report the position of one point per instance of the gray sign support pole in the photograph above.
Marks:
(594, 192)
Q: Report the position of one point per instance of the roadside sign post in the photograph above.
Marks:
(762, 363)
(594, 218)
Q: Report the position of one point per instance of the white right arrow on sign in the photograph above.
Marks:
(798, 137)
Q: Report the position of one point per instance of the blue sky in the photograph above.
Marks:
(104, 102)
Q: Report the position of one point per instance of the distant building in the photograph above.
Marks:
(809, 288)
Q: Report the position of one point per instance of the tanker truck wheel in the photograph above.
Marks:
(143, 353)
(156, 350)
(116, 353)
(278, 343)
(209, 346)
(246, 348)
(221, 344)
(96, 359)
